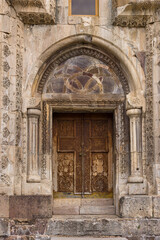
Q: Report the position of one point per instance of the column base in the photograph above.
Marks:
(135, 179)
(33, 178)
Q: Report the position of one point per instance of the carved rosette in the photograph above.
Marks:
(33, 145)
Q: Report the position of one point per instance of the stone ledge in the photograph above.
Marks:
(133, 13)
(34, 12)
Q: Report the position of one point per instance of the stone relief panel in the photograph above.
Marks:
(83, 75)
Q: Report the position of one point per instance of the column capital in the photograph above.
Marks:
(134, 112)
(34, 111)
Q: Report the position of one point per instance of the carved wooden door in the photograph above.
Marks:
(82, 145)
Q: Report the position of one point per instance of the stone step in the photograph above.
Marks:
(83, 206)
(99, 210)
(88, 238)
(95, 225)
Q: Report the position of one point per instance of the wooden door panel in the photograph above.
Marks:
(83, 153)
(65, 172)
(66, 144)
(99, 144)
(99, 172)
(86, 145)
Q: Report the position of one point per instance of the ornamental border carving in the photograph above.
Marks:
(122, 156)
(149, 106)
(86, 50)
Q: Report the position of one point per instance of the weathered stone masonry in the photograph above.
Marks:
(39, 42)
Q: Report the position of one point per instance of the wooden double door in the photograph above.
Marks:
(82, 154)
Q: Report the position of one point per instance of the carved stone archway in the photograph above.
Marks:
(115, 103)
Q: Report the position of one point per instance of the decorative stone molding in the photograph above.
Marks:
(135, 100)
(89, 51)
(35, 11)
(135, 145)
(133, 13)
(33, 143)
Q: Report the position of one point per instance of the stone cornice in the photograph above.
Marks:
(34, 12)
(134, 13)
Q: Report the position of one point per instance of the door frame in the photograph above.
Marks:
(51, 104)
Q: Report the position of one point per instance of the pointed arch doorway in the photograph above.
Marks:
(83, 94)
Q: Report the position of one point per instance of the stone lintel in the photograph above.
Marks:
(139, 206)
(30, 207)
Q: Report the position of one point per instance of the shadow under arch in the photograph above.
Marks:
(71, 46)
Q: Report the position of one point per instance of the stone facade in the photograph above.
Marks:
(38, 42)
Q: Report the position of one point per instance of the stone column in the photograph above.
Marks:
(33, 145)
(135, 145)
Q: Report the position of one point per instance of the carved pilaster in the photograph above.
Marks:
(33, 143)
(135, 145)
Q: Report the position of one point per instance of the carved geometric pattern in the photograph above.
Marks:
(149, 106)
(6, 132)
(6, 118)
(5, 179)
(83, 75)
(99, 172)
(85, 51)
(6, 66)
(6, 82)
(4, 162)
(6, 101)
(6, 51)
(65, 172)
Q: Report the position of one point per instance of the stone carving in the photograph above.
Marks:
(6, 82)
(135, 100)
(130, 21)
(122, 134)
(37, 18)
(6, 66)
(6, 118)
(34, 11)
(28, 3)
(87, 52)
(6, 101)
(6, 51)
(149, 106)
(4, 162)
(6, 132)
(5, 179)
